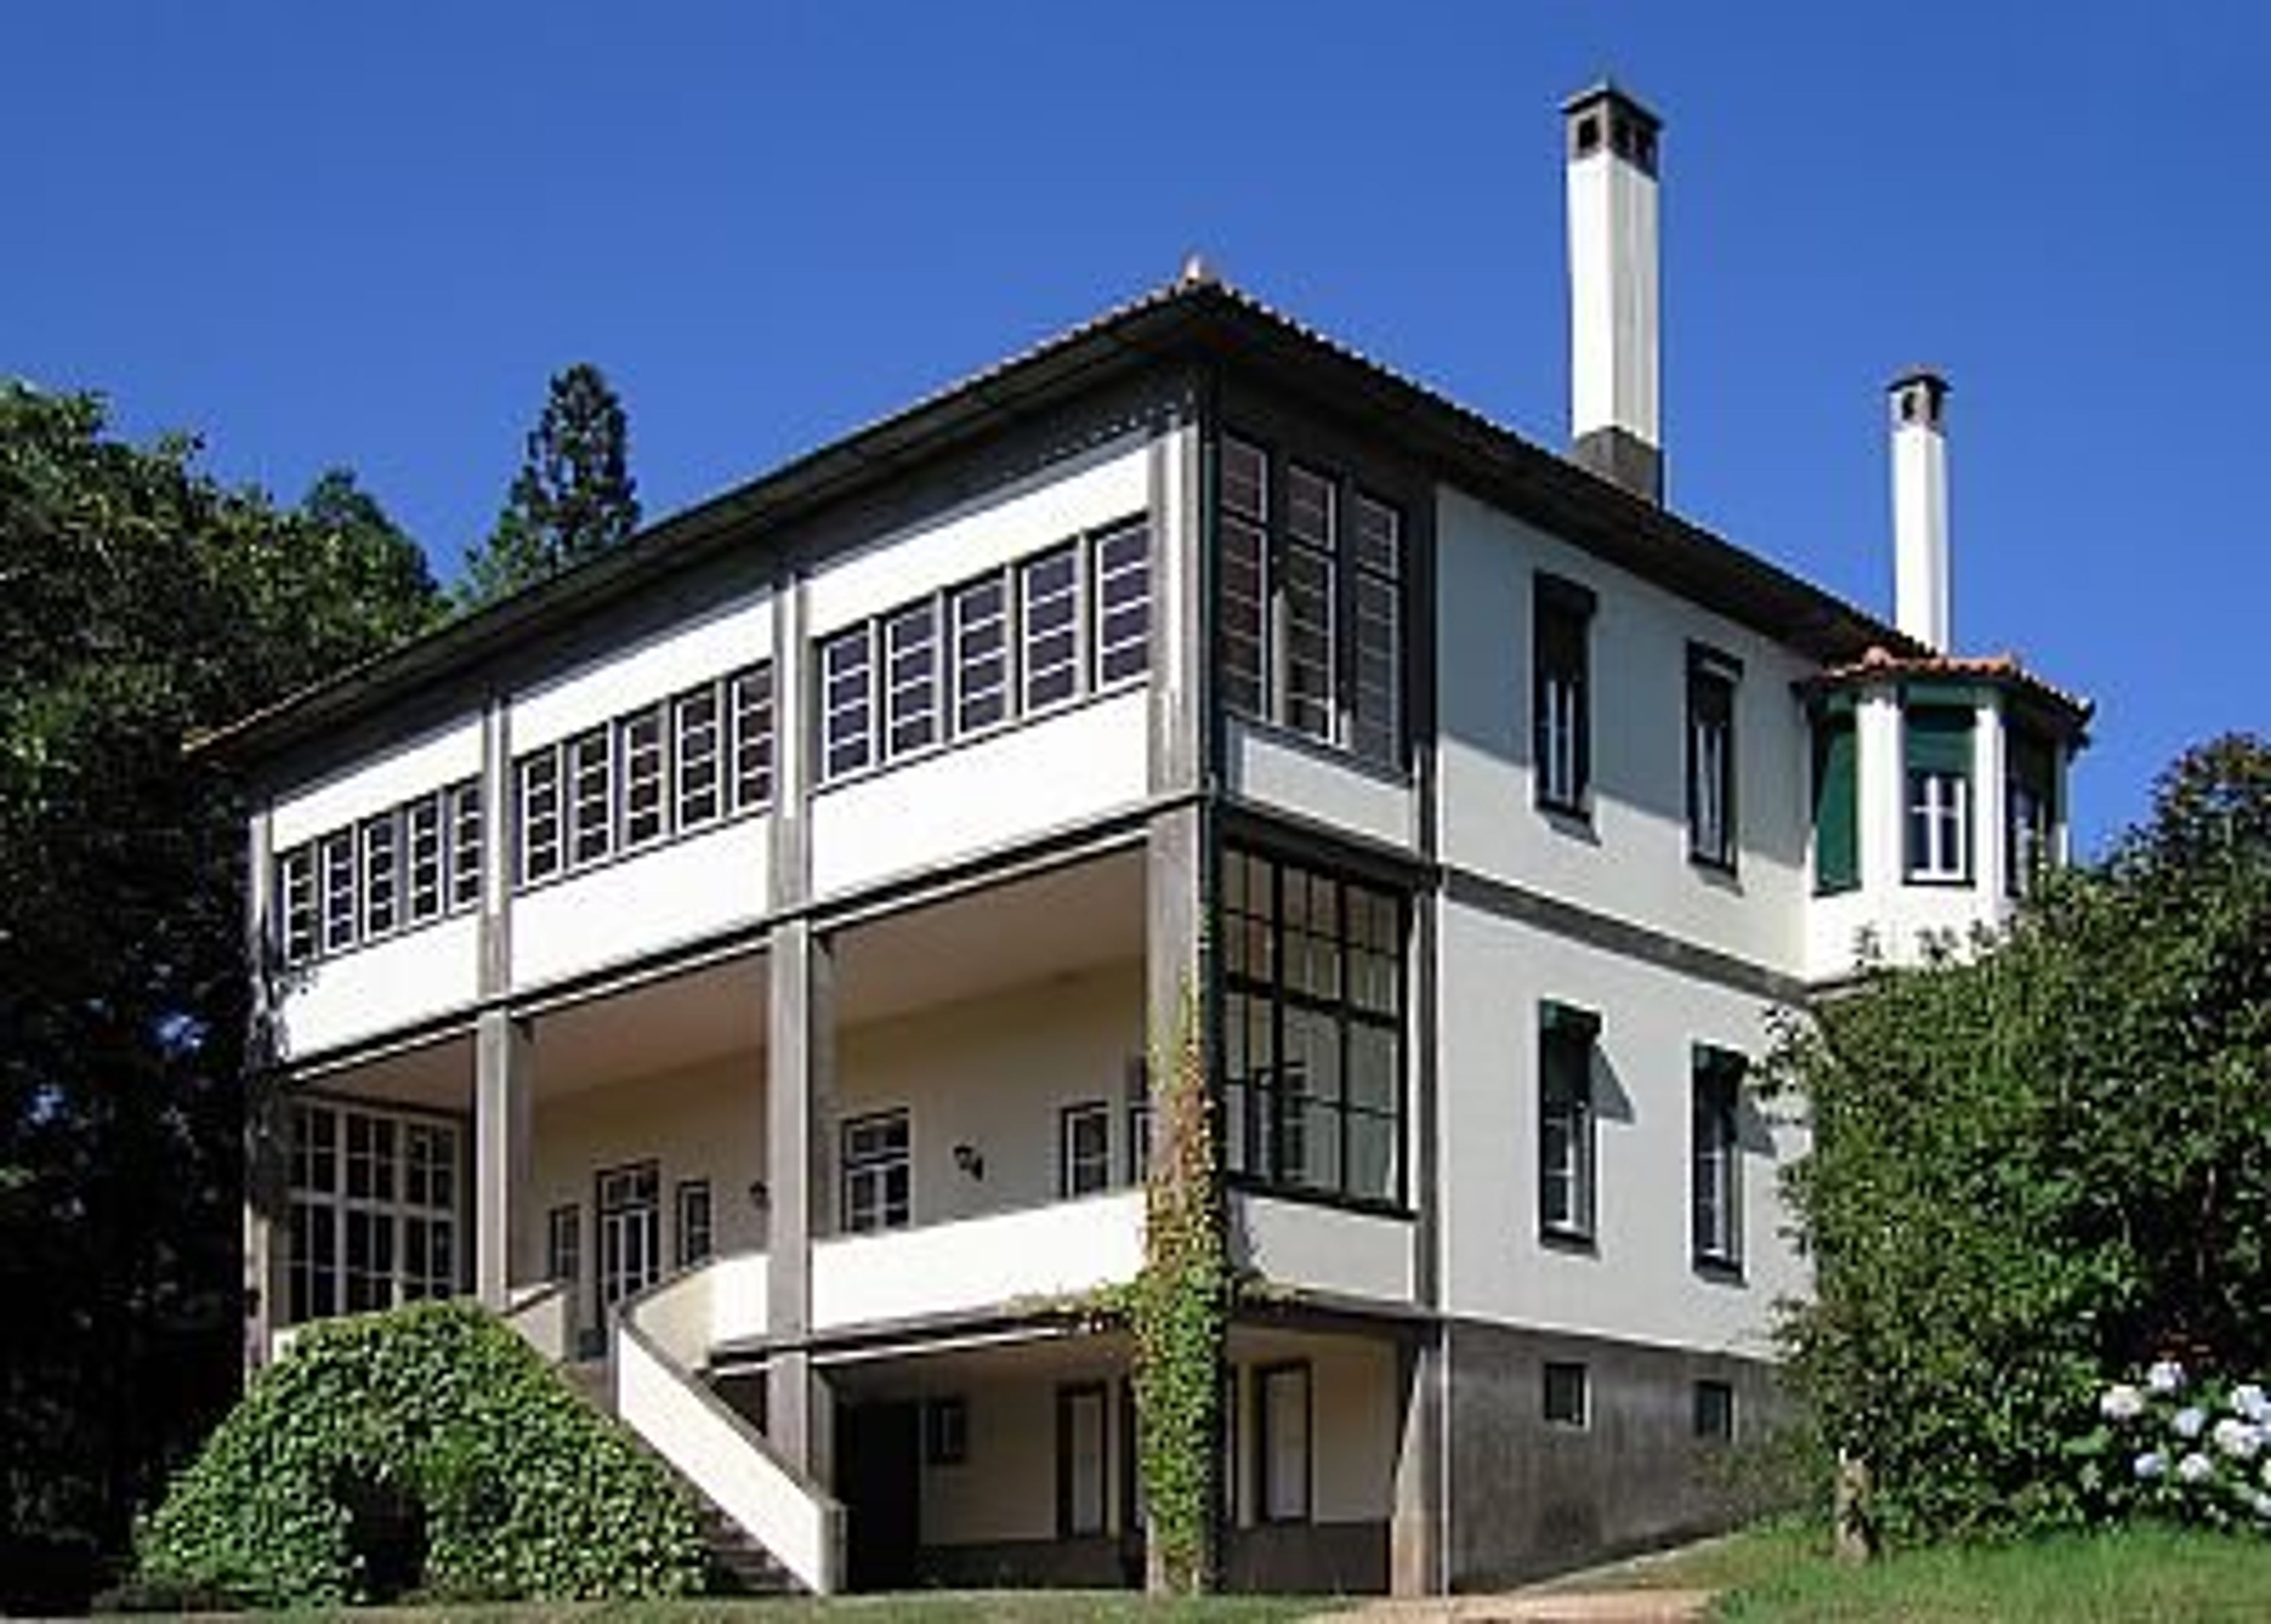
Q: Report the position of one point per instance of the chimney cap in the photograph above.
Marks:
(1606, 117)
(1919, 394)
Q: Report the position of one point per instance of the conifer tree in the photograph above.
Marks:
(573, 499)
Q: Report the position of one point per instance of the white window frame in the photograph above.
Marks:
(1120, 576)
(642, 751)
(425, 867)
(1084, 1169)
(298, 919)
(693, 1234)
(341, 892)
(589, 768)
(848, 731)
(697, 789)
(749, 709)
(1034, 601)
(1567, 1178)
(1938, 826)
(465, 845)
(400, 1270)
(984, 654)
(1715, 1160)
(1285, 1469)
(911, 685)
(542, 814)
(873, 1148)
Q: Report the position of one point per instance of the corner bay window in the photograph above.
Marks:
(1939, 758)
(2030, 814)
(1560, 693)
(1309, 602)
(1566, 1037)
(1313, 1041)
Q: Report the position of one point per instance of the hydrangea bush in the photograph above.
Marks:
(2190, 1448)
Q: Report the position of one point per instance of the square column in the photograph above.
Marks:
(504, 1067)
(1414, 1530)
(1990, 856)
(800, 1106)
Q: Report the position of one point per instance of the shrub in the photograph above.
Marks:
(426, 1447)
(2182, 1447)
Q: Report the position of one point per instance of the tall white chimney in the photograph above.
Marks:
(1613, 362)
(1920, 571)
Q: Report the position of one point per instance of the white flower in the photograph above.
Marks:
(2260, 1503)
(2189, 1422)
(2236, 1438)
(2164, 1375)
(2122, 1402)
(2248, 1401)
(2151, 1463)
(2195, 1468)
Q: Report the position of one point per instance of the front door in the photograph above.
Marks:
(878, 1462)
(630, 1208)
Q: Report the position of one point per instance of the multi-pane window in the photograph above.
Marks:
(1310, 604)
(1048, 608)
(749, 694)
(1282, 1444)
(374, 1218)
(540, 850)
(1938, 752)
(465, 845)
(847, 702)
(1560, 693)
(1120, 566)
(295, 902)
(1139, 1091)
(564, 1243)
(1711, 679)
(878, 1173)
(910, 679)
(382, 875)
(2029, 811)
(1564, 1394)
(591, 797)
(1084, 1149)
(1714, 1157)
(695, 1241)
(694, 722)
(638, 745)
(629, 1213)
(340, 920)
(981, 654)
(1313, 1028)
(421, 834)
(1564, 1121)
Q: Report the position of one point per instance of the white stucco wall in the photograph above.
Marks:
(384, 779)
(421, 974)
(1323, 1248)
(1632, 862)
(707, 643)
(676, 892)
(1638, 1280)
(1273, 769)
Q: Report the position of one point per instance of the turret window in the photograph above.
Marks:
(1938, 751)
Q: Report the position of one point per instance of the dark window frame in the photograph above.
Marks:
(853, 1165)
(1070, 1119)
(1265, 1443)
(1714, 808)
(1561, 664)
(1713, 1411)
(1714, 1166)
(1565, 1394)
(1569, 1041)
(1069, 1394)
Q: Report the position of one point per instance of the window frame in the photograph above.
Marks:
(563, 1242)
(1071, 1119)
(1714, 1162)
(856, 743)
(693, 1223)
(1713, 739)
(855, 1166)
(1569, 1041)
(945, 1430)
(1565, 1394)
(468, 846)
(1073, 594)
(1124, 657)
(1712, 1410)
(399, 1229)
(1560, 680)
(1070, 1396)
(1266, 1378)
(540, 801)
(1940, 814)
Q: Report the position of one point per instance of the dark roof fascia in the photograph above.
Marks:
(1201, 320)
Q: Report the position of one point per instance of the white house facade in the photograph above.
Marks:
(736, 959)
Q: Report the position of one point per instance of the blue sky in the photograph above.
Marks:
(368, 234)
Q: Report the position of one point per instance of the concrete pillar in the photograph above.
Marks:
(1882, 793)
(800, 1087)
(504, 1067)
(1990, 855)
(1415, 1534)
(267, 1208)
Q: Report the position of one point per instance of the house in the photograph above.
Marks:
(736, 958)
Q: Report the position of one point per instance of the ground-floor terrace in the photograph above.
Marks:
(821, 1212)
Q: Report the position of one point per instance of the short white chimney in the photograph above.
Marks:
(1920, 584)
(1613, 343)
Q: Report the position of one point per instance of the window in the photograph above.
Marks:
(751, 694)
(1083, 1452)
(1715, 1412)
(1711, 679)
(946, 1432)
(373, 1201)
(2030, 815)
(1122, 570)
(1138, 1091)
(338, 892)
(1564, 1399)
(1049, 607)
(1564, 1121)
(1560, 693)
(638, 746)
(1282, 1443)
(1084, 1149)
(381, 876)
(421, 825)
(910, 679)
(1715, 1188)
(1313, 1049)
(694, 1241)
(878, 1174)
(295, 904)
(592, 806)
(629, 1213)
(847, 704)
(981, 654)
(1309, 605)
(1939, 750)
(465, 845)
(540, 815)
(695, 722)
(1837, 804)
(564, 1243)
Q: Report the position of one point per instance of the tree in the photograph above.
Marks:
(139, 602)
(573, 499)
(2044, 1164)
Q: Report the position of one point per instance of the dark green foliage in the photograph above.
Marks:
(1179, 1310)
(139, 602)
(429, 1447)
(573, 499)
(2045, 1165)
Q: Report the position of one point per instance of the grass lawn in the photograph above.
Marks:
(2139, 1577)
(943, 1607)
